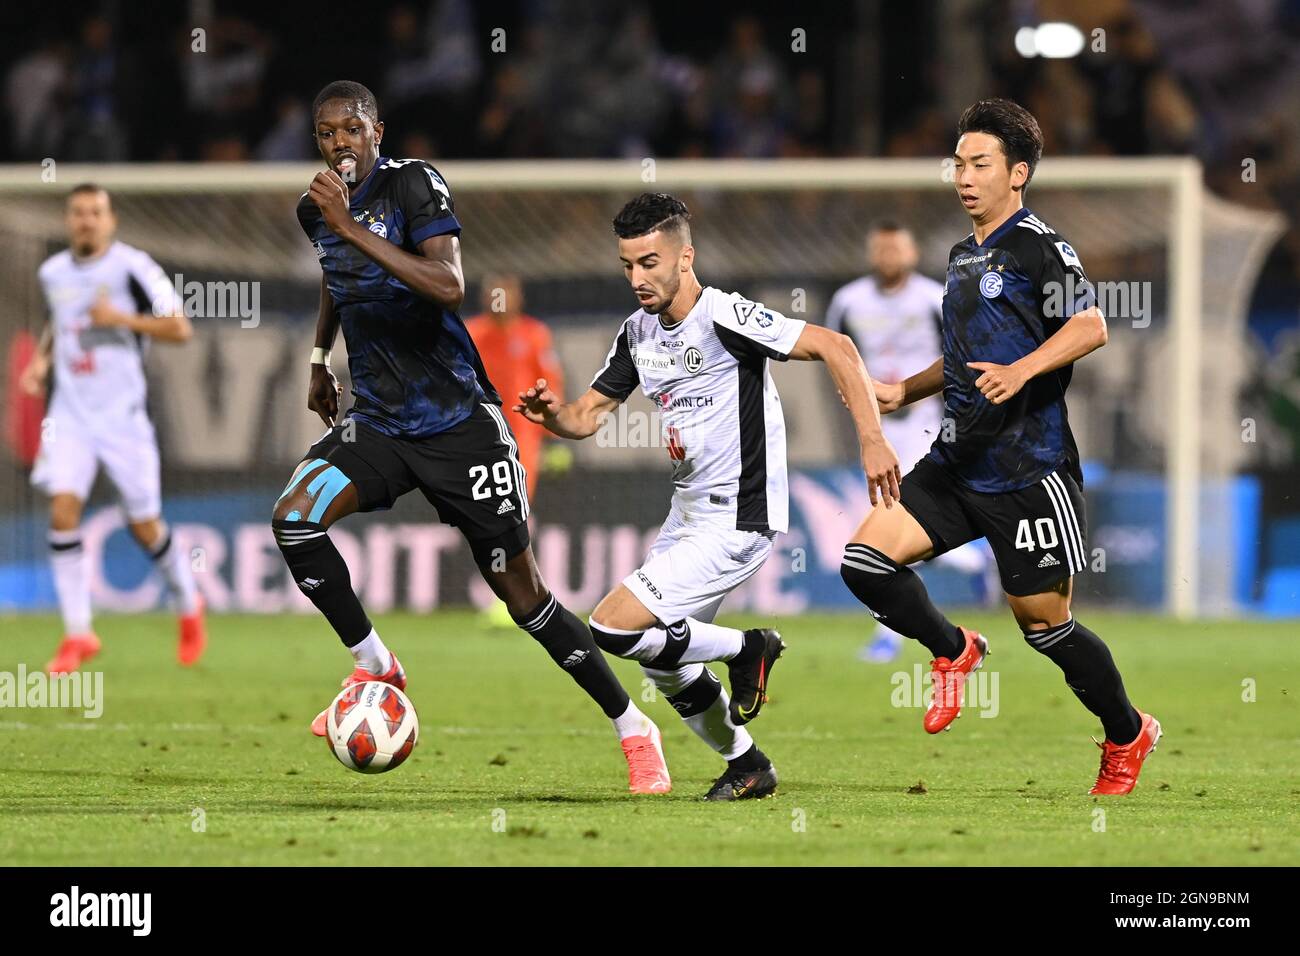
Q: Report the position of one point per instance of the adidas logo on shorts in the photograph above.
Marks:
(1048, 561)
(505, 506)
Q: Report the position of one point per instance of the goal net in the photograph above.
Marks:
(1155, 412)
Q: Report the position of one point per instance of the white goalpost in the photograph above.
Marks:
(791, 216)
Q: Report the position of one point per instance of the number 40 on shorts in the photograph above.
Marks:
(1044, 529)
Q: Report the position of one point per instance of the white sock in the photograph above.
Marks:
(705, 642)
(175, 570)
(69, 563)
(631, 723)
(713, 725)
(371, 655)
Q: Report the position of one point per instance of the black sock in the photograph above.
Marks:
(897, 597)
(570, 645)
(323, 576)
(1091, 673)
(751, 759)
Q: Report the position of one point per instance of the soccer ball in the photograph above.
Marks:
(371, 727)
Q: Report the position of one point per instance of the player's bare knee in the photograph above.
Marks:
(147, 533)
(293, 506)
(65, 513)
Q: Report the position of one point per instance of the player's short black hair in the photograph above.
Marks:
(651, 212)
(347, 90)
(82, 188)
(887, 225)
(1012, 124)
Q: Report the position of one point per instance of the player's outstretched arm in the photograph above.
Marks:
(174, 327)
(837, 351)
(1085, 332)
(894, 395)
(435, 274)
(577, 419)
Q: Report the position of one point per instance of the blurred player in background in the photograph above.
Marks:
(425, 415)
(517, 350)
(1018, 312)
(702, 356)
(894, 315)
(107, 300)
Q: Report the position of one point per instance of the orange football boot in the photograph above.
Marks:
(1121, 763)
(194, 635)
(647, 771)
(949, 680)
(74, 651)
(394, 675)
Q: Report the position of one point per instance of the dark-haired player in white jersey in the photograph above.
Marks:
(702, 356)
(425, 415)
(107, 302)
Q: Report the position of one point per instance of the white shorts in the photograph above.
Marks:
(71, 453)
(692, 567)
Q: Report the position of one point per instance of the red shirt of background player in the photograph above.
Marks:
(518, 350)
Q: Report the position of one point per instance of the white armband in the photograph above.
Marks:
(320, 356)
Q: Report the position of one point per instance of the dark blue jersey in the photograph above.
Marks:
(415, 370)
(1003, 299)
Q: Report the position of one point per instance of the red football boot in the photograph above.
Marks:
(394, 675)
(194, 635)
(647, 771)
(949, 680)
(74, 651)
(1121, 763)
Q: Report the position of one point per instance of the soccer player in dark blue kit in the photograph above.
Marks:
(424, 414)
(1018, 311)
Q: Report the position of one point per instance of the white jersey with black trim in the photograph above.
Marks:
(897, 332)
(721, 414)
(99, 372)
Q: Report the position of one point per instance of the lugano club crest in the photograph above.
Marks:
(692, 360)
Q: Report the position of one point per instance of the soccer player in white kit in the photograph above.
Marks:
(107, 300)
(893, 315)
(701, 355)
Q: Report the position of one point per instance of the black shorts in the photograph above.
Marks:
(1037, 534)
(470, 473)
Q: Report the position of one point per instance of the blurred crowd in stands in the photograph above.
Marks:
(233, 79)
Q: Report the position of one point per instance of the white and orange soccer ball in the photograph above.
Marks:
(371, 727)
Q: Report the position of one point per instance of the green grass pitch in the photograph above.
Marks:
(215, 765)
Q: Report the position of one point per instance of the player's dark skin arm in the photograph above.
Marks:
(435, 274)
(324, 390)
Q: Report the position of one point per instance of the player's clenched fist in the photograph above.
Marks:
(330, 193)
(323, 394)
(998, 383)
(538, 403)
